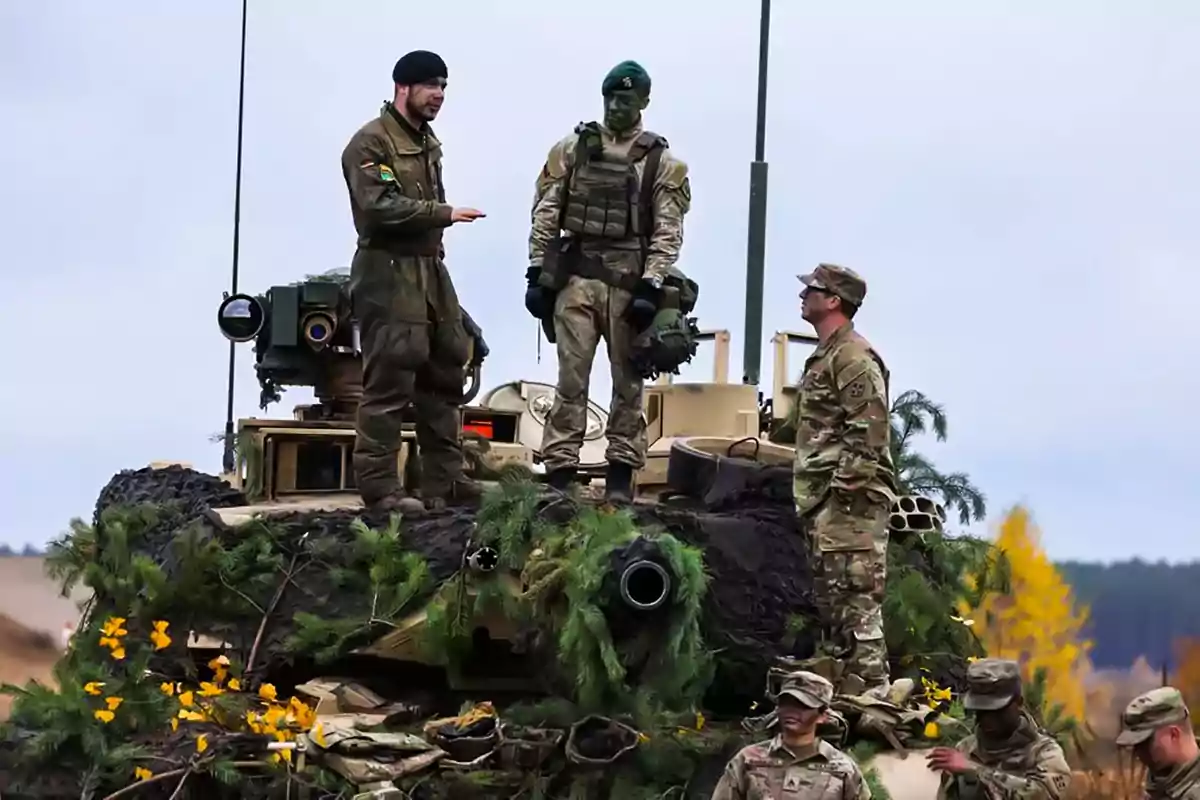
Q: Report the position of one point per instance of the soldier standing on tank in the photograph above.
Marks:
(620, 196)
(1009, 756)
(1158, 726)
(795, 764)
(414, 343)
(844, 480)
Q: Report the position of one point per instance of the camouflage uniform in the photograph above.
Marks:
(414, 345)
(844, 481)
(1029, 765)
(595, 197)
(770, 770)
(1144, 715)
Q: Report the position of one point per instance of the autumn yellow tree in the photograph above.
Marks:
(1036, 621)
(1187, 669)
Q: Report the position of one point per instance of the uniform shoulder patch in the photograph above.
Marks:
(385, 173)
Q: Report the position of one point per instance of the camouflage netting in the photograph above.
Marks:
(516, 604)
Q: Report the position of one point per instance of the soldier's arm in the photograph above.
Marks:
(1048, 780)
(672, 200)
(373, 187)
(732, 783)
(547, 198)
(858, 789)
(866, 431)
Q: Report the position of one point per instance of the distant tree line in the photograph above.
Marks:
(1136, 608)
(28, 550)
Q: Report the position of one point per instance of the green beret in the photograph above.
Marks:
(627, 75)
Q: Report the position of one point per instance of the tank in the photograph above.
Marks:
(538, 644)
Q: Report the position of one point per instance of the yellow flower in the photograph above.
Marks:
(174, 724)
(941, 694)
(167, 688)
(699, 721)
(118, 653)
(161, 640)
(161, 625)
(108, 641)
(318, 734)
(210, 689)
(93, 687)
(185, 699)
(190, 716)
(931, 730)
(267, 691)
(202, 743)
(141, 773)
(104, 716)
(235, 685)
(113, 703)
(113, 627)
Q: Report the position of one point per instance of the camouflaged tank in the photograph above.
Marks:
(537, 641)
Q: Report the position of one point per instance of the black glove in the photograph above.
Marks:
(644, 305)
(473, 330)
(537, 297)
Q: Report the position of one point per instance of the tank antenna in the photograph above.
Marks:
(227, 458)
(756, 245)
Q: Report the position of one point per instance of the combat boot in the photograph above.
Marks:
(399, 500)
(462, 490)
(618, 483)
(561, 478)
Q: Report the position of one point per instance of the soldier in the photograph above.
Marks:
(620, 195)
(1009, 756)
(844, 478)
(414, 342)
(1158, 726)
(795, 764)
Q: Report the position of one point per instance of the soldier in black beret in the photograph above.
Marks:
(416, 339)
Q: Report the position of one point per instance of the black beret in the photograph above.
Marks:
(417, 67)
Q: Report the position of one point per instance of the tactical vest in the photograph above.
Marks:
(603, 198)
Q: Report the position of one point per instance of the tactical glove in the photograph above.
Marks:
(473, 330)
(537, 298)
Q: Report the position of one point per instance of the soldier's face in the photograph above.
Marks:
(1161, 750)
(816, 304)
(999, 724)
(622, 109)
(795, 718)
(424, 100)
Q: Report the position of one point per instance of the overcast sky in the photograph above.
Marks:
(1019, 186)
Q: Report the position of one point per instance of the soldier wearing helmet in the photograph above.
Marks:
(795, 764)
(1009, 756)
(844, 482)
(1158, 726)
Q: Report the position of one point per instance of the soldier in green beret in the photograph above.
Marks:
(607, 230)
(1158, 726)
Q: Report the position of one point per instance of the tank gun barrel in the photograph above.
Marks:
(645, 585)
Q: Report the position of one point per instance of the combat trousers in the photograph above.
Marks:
(586, 311)
(849, 543)
(414, 351)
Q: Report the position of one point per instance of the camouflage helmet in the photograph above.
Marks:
(672, 338)
(839, 281)
(1150, 711)
(992, 683)
(808, 688)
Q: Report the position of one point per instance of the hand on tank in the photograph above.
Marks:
(465, 215)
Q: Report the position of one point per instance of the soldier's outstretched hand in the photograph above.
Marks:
(949, 759)
(466, 215)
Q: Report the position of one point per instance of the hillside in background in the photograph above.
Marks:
(1136, 608)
